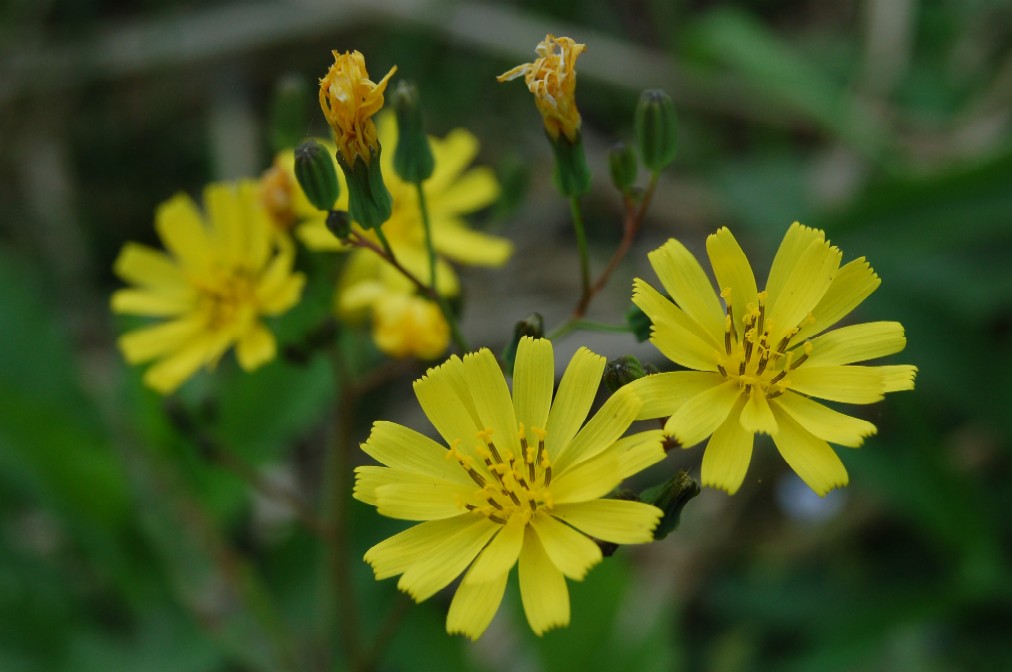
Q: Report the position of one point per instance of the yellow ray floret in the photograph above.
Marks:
(349, 99)
(520, 481)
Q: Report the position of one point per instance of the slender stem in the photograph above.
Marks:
(631, 223)
(581, 245)
(586, 325)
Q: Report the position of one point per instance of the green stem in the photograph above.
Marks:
(581, 244)
(586, 325)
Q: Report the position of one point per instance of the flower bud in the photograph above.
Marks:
(533, 325)
(623, 166)
(369, 202)
(314, 169)
(639, 323)
(413, 159)
(571, 174)
(656, 129)
(671, 498)
(622, 371)
(339, 223)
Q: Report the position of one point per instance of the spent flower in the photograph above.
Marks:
(758, 362)
(221, 274)
(520, 480)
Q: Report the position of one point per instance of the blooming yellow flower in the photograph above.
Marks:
(758, 360)
(521, 481)
(552, 80)
(220, 275)
(408, 325)
(453, 191)
(349, 99)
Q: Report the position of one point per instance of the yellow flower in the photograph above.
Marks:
(220, 275)
(521, 481)
(407, 325)
(552, 80)
(760, 358)
(349, 99)
(453, 191)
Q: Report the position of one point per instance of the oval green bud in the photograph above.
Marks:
(656, 129)
(533, 325)
(369, 201)
(571, 174)
(314, 169)
(339, 223)
(622, 371)
(623, 166)
(413, 158)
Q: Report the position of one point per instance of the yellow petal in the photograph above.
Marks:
(315, 235)
(256, 347)
(851, 285)
(492, 398)
(810, 278)
(664, 393)
(824, 422)
(677, 336)
(616, 520)
(686, 281)
(571, 552)
(150, 302)
(472, 191)
(450, 412)
(367, 478)
(533, 381)
(180, 225)
(797, 239)
(393, 556)
(403, 448)
(857, 343)
(727, 455)
(590, 479)
(733, 272)
(453, 154)
(148, 343)
(448, 560)
(698, 417)
(411, 496)
(577, 390)
(474, 605)
(809, 456)
(756, 415)
(227, 235)
(543, 588)
(470, 247)
(898, 378)
(501, 553)
(639, 451)
(166, 375)
(141, 265)
(849, 384)
(606, 426)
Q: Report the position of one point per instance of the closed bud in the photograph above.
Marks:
(623, 167)
(339, 223)
(369, 202)
(622, 371)
(413, 159)
(671, 498)
(656, 129)
(314, 169)
(533, 325)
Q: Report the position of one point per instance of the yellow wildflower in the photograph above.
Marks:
(408, 325)
(349, 99)
(758, 360)
(221, 273)
(521, 481)
(552, 80)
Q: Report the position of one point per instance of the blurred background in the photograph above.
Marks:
(123, 546)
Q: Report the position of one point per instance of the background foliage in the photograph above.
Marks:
(124, 544)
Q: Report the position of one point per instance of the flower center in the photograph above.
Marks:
(508, 484)
(230, 299)
(753, 358)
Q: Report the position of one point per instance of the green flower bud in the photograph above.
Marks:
(314, 169)
(622, 371)
(639, 323)
(623, 167)
(671, 498)
(413, 159)
(339, 223)
(656, 129)
(571, 174)
(533, 325)
(369, 202)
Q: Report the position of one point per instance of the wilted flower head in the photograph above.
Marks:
(552, 80)
(758, 360)
(222, 273)
(349, 99)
